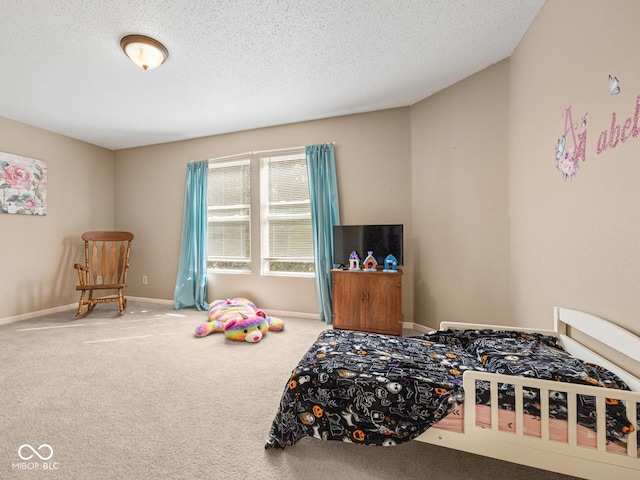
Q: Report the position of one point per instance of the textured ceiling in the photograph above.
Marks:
(236, 65)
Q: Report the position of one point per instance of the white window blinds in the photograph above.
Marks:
(229, 206)
(287, 244)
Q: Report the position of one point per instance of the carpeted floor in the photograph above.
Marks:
(138, 397)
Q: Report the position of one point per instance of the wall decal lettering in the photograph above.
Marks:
(572, 145)
(617, 133)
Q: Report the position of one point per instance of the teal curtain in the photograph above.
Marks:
(191, 284)
(325, 213)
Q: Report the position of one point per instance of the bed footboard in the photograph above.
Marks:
(568, 457)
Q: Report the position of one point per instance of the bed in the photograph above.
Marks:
(542, 398)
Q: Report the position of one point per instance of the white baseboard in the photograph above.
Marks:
(151, 300)
(72, 306)
(283, 313)
(416, 326)
(48, 311)
(39, 313)
(275, 313)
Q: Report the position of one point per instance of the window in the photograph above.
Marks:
(229, 206)
(282, 210)
(285, 226)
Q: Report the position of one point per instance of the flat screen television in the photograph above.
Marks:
(382, 240)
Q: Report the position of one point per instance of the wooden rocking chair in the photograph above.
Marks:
(106, 264)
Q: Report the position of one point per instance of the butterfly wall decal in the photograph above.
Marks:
(614, 85)
(560, 151)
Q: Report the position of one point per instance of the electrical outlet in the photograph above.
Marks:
(145, 280)
(99, 279)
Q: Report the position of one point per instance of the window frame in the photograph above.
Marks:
(235, 160)
(265, 159)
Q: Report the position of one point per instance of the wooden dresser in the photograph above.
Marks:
(367, 301)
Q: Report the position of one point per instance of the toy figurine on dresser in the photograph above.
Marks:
(354, 261)
(390, 264)
(370, 264)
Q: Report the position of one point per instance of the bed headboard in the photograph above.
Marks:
(603, 332)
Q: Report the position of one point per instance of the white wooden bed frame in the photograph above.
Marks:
(541, 452)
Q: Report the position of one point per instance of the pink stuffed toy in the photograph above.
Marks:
(239, 319)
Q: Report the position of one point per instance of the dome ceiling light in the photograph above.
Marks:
(145, 52)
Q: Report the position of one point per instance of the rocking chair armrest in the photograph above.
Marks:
(80, 268)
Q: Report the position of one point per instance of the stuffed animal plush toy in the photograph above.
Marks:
(239, 319)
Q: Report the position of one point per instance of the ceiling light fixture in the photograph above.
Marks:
(145, 52)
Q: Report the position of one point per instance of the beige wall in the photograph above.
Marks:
(493, 233)
(373, 163)
(460, 201)
(500, 236)
(575, 243)
(37, 253)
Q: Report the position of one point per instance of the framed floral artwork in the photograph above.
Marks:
(23, 185)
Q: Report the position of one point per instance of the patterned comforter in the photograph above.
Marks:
(383, 390)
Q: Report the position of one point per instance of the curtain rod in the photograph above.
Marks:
(226, 157)
(260, 152)
(288, 149)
